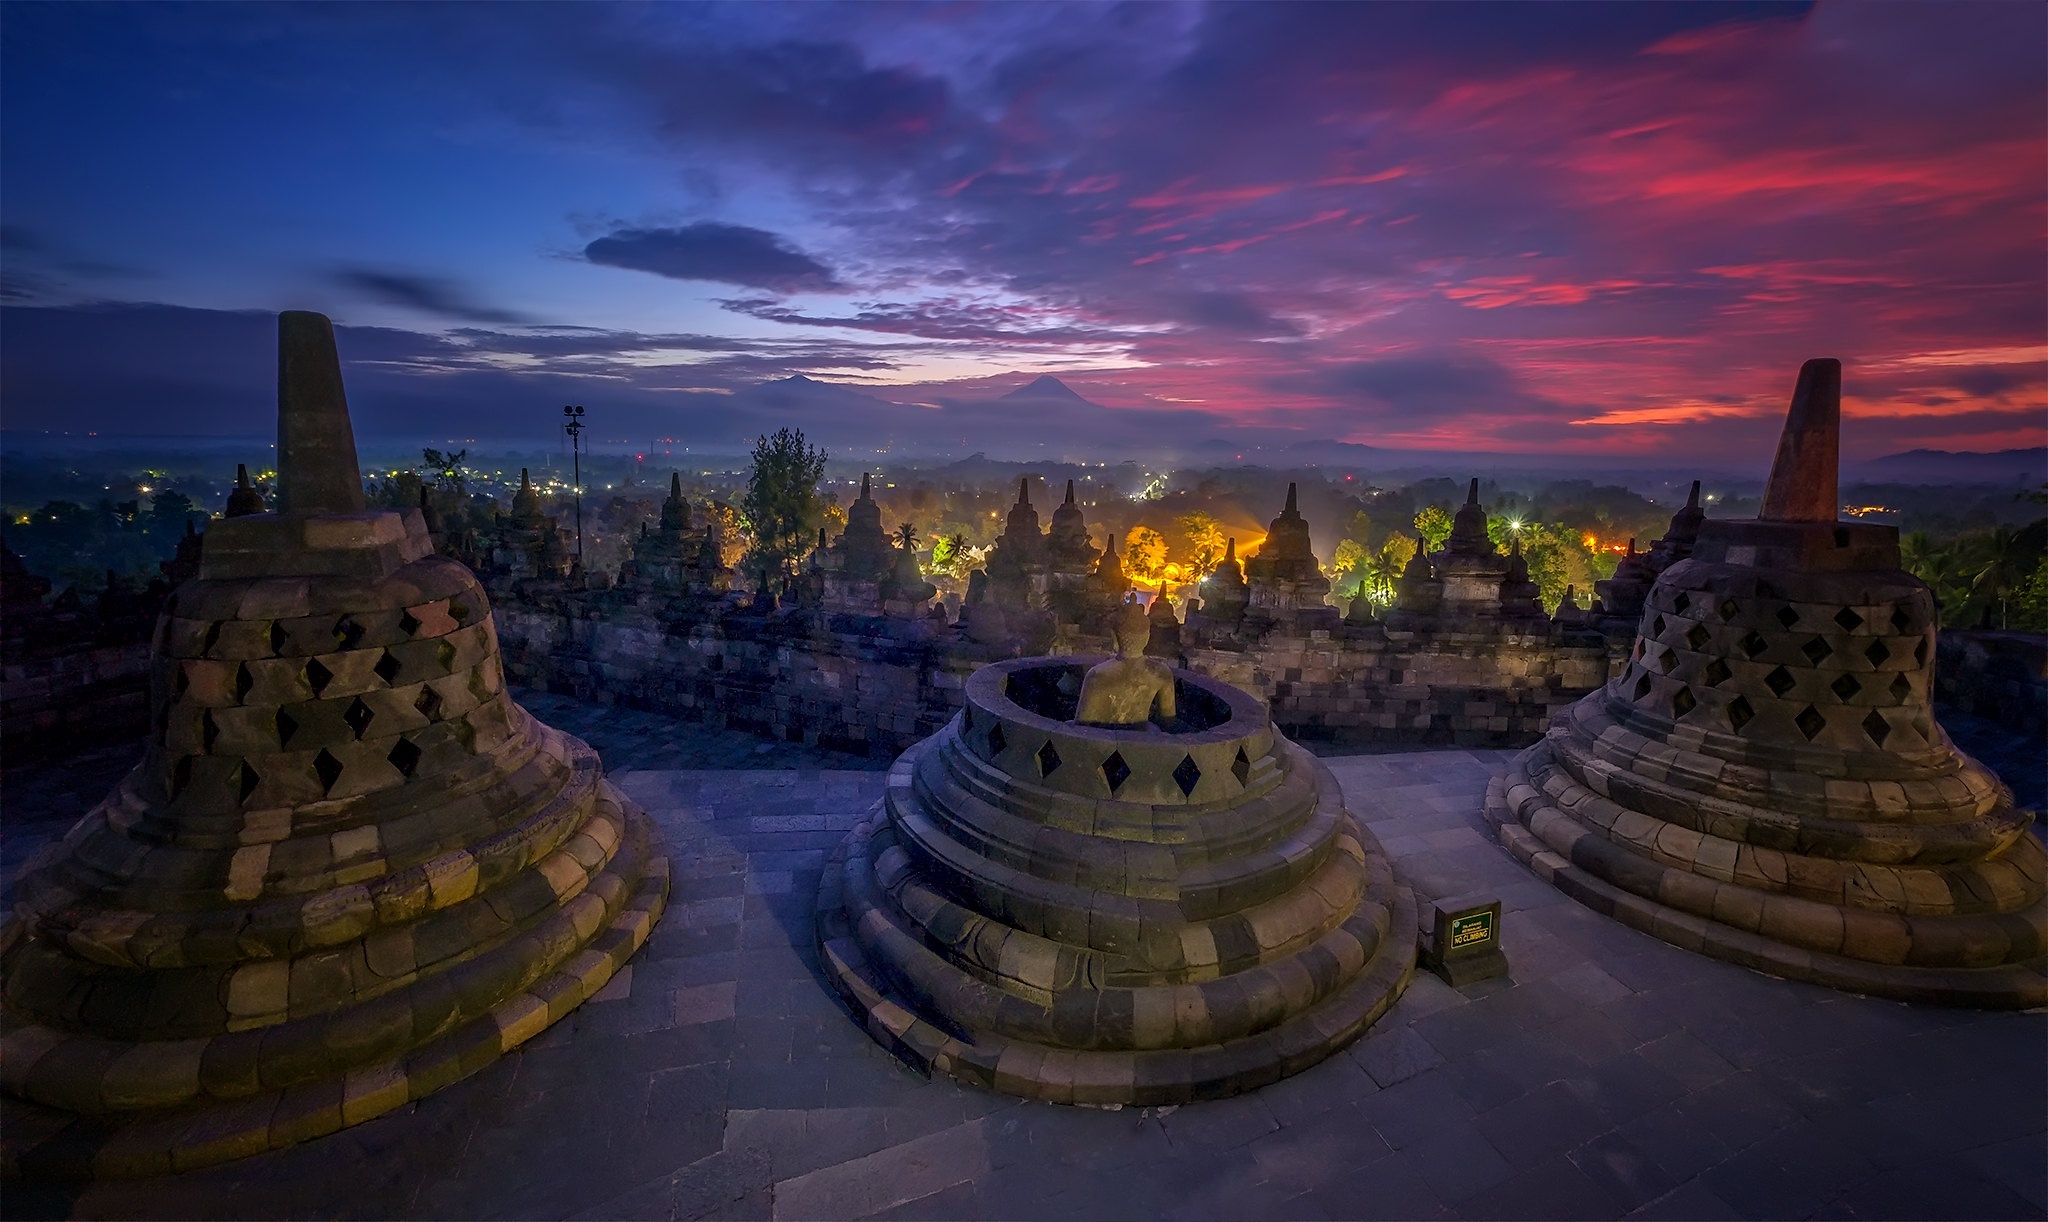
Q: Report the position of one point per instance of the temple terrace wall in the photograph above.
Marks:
(1999, 675)
(56, 702)
(877, 692)
(877, 686)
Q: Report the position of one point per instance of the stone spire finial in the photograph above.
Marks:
(675, 511)
(1692, 500)
(1290, 501)
(525, 480)
(1023, 490)
(1070, 492)
(1230, 550)
(1804, 483)
(1472, 492)
(864, 487)
(317, 469)
(244, 500)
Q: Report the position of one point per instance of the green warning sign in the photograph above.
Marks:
(1471, 930)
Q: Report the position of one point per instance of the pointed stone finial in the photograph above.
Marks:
(1290, 501)
(317, 469)
(1110, 548)
(1692, 500)
(864, 487)
(525, 480)
(1070, 492)
(675, 485)
(1023, 490)
(1804, 483)
(1230, 551)
(1631, 546)
(1472, 492)
(244, 500)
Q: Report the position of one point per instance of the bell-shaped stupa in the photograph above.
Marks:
(1765, 781)
(349, 869)
(1171, 909)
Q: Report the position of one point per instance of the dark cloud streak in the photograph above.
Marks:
(715, 252)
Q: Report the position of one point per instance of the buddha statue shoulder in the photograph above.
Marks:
(1128, 689)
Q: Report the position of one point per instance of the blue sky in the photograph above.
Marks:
(1556, 227)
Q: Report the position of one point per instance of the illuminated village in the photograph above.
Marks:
(782, 809)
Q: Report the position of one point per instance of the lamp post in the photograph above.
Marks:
(573, 425)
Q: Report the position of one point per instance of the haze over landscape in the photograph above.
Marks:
(1608, 232)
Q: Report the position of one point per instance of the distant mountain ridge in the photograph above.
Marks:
(2029, 464)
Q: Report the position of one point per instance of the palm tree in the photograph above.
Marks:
(2008, 556)
(906, 537)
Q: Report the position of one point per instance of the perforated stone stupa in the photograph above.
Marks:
(349, 869)
(1765, 781)
(1106, 915)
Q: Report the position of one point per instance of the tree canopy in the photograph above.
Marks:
(782, 503)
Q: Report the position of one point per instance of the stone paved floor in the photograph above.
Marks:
(1611, 1076)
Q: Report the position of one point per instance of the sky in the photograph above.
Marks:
(1532, 228)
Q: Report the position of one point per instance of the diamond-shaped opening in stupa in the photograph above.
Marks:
(1115, 771)
(405, 756)
(327, 768)
(1048, 758)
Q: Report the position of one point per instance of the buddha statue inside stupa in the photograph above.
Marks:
(1128, 689)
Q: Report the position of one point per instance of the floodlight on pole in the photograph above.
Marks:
(573, 425)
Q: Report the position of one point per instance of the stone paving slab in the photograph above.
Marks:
(1611, 1075)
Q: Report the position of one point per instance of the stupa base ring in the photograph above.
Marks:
(1516, 805)
(45, 1143)
(1112, 1077)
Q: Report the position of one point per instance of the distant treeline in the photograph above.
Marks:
(1983, 550)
